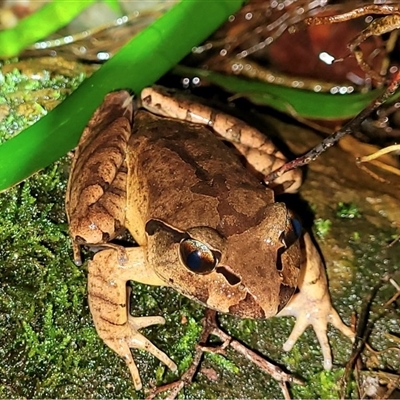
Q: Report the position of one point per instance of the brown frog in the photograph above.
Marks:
(204, 224)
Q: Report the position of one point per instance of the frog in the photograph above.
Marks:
(186, 182)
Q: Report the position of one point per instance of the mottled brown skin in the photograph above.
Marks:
(95, 199)
(258, 150)
(207, 188)
(174, 183)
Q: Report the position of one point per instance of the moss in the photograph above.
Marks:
(187, 343)
(26, 94)
(325, 385)
(322, 227)
(347, 210)
(223, 362)
(42, 291)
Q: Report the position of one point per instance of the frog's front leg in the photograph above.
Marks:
(312, 304)
(109, 300)
(260, 152)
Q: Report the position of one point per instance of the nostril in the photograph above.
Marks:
(232, 278)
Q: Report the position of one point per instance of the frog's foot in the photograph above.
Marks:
(108, 301)
(318, 313)
(312, 305)
(123, 338)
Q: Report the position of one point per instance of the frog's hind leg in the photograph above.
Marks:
(312, 305)
(259, 151)
(108, 302)
(265, 163)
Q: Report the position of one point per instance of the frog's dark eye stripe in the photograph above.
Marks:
(288, 237)
(154, 226)
(197, 257)
(292, 232)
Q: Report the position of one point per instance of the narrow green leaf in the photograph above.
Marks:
(296, 102)
(138, 64)
(38, 25)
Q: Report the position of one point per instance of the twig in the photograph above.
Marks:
(348, 128)
(210, 327)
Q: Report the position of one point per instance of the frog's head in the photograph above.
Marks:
(250, 273)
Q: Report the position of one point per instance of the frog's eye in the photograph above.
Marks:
(197, 257)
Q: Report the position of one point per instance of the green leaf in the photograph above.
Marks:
(295, 102)
(38, 25)
(140, 63)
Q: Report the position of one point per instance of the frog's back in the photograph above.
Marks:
(183, 175)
